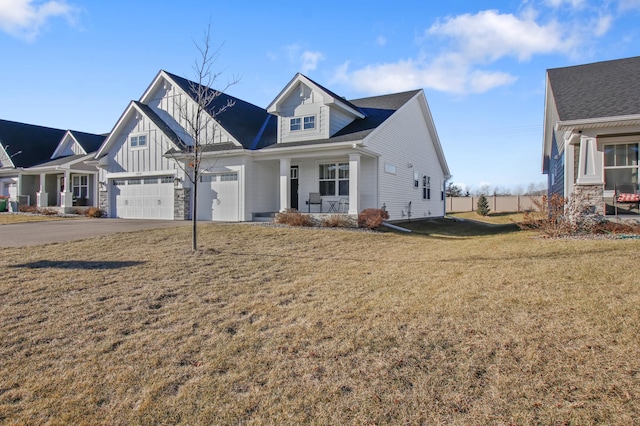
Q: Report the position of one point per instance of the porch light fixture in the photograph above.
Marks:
(103, 185)
(176, 181)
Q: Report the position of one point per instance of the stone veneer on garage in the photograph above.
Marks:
(181, 204)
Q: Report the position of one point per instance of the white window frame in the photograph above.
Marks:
(610, 186)
(309, 122)
(339, 174)
(426, 187)
(77, 184)
(136, 140)
(302, 123)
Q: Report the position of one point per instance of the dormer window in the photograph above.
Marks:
(302, 123)
(310, 122)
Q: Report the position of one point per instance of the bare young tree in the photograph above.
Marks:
(199, 120)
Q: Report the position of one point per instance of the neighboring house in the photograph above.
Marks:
(381, 151)
(44, 167)
(592, 131)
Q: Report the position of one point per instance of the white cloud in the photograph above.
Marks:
(310, 60)
(381, 41)
(602, 25)
(629, 4)
(472, 43)
(306, 60)
(490, 35)
(25, 18)
(576, 4)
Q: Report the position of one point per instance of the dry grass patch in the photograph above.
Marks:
(9, 218)
(289, 326)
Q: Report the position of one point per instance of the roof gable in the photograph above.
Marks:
(27, 144)
(74, 142)
(248, 124)
(330, 98)
(601, 89)
(375, 110)
(133, 108)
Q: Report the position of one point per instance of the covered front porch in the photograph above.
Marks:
(65, 184)
(344, 183)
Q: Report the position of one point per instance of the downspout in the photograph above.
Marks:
(444, 191)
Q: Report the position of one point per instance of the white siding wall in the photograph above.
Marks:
(70, 147)
(339, 120)
(404, 140)
(174, 107)
(124, 158)
(310, 103)
(262, 187)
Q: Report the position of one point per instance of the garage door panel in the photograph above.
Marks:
(149, 198)
(218, 198)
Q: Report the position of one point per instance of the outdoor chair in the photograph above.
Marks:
(314, 198)
(343, 206)
(625, 194)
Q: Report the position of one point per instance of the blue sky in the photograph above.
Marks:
(76, 64)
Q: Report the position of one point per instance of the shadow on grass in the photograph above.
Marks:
(455, 228)
(78, 264)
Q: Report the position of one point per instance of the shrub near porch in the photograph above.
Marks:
(307, 325)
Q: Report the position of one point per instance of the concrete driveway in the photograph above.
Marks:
(55, 231)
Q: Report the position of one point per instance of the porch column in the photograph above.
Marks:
(285, 187)
(42, 200)
(569, 169)
(66, 197)
(354, 184)
(590, 163)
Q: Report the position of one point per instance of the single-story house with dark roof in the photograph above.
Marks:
(592, 132)
(309, 144)
(45, 167)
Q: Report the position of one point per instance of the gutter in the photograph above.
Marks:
(619, 120)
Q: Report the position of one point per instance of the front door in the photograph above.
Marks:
(60, 188)
(294, 187)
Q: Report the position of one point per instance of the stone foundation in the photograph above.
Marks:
(103, 202)
(590, 198)
(181, 204)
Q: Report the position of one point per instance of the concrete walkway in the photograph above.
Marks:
(55, 231)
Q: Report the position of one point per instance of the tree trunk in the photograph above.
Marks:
(194, 214)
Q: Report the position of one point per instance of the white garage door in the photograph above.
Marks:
(143, 198)
(218, 197)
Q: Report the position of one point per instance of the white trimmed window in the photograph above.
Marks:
(309, 122)
(334, 179)
(138, 141)
(426, 187)
(302, 123)
(80, 186)
(621, 167)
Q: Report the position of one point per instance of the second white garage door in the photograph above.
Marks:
(142, 198)
(218, 197)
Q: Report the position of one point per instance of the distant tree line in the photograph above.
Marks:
(454, 190)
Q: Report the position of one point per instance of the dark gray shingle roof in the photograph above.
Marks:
(27, 144)
(601, 89)
(249, 124)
